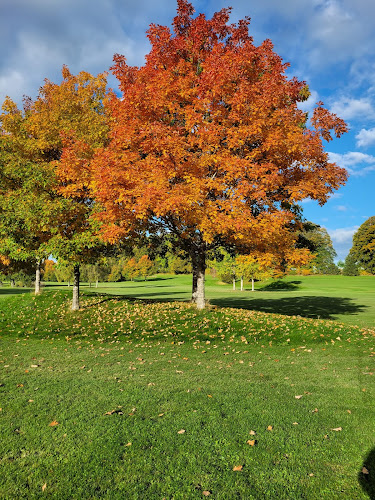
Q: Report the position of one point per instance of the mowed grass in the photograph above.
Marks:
(349, 299)
(132, 399)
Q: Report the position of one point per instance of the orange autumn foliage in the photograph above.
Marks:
(207, 141)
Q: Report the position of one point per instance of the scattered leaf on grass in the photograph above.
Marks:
(252, 433)
(160, 414)
(315, 410)
(44, 486)
(206, 493)
(298, 397)
(295, 423)
(270, 428)
(251, 442)
(365, 471)
(181, 431)
(237, 468)
(53, 423)
(128, 444)
(349, 411)
(34, 366)
(337, 429)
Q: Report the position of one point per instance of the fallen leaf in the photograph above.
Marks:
(209, 396)
(252, 433)
(270, 428)
(365, 471)
(337, 429)
(315, 410)
(295, 423)
(182, 431)
(160, 414)
(206, 493)
(251, 442)
(53, 423)
(44, 486)
(237, 468)
(34, 366)
(349, 411)
(298, 397)
(129, 444)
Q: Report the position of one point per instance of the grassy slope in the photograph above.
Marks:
(344, 298)
(120, 379)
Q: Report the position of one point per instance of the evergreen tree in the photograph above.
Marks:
(350, 266)
(363, 249)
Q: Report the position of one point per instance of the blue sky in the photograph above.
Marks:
(328, 43)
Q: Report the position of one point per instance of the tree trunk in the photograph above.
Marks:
(75, 302)
(195, 279)
(241, 283)
(201, 268)
(37, 278)
(252, 284)
(234, 283)
(97, 283)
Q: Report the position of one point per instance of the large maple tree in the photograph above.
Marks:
(208, 142)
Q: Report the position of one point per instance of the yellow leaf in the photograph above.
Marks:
(53, 423)
(251, 442)
(252, 433)
(182, 431)
(337, 429)
(206, 493)
(44, 486)
(237, 468)
(270, 428)
(298, 397)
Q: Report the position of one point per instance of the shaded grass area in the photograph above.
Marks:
(150, 400)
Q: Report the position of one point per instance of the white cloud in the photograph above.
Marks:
(351, 109)
(342, 239)
(357, 164)
(341, 208)
(365, 137)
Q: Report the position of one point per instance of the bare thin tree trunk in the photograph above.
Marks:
(37, 278)
(234, 283)
(195, 278)
(252, 285)
(75, 301)
(241, 283)
(97, 283)
(201, 268)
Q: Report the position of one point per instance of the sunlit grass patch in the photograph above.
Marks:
(93, 403)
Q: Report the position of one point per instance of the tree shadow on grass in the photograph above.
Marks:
(317, 307)
(146, 298)
(280, 285)
(366, 476)
(14, 291)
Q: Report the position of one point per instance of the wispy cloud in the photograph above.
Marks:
(351, 109)
(356, 163)
(365, 137)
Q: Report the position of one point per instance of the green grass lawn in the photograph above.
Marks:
(349, 299)
(134, 399)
